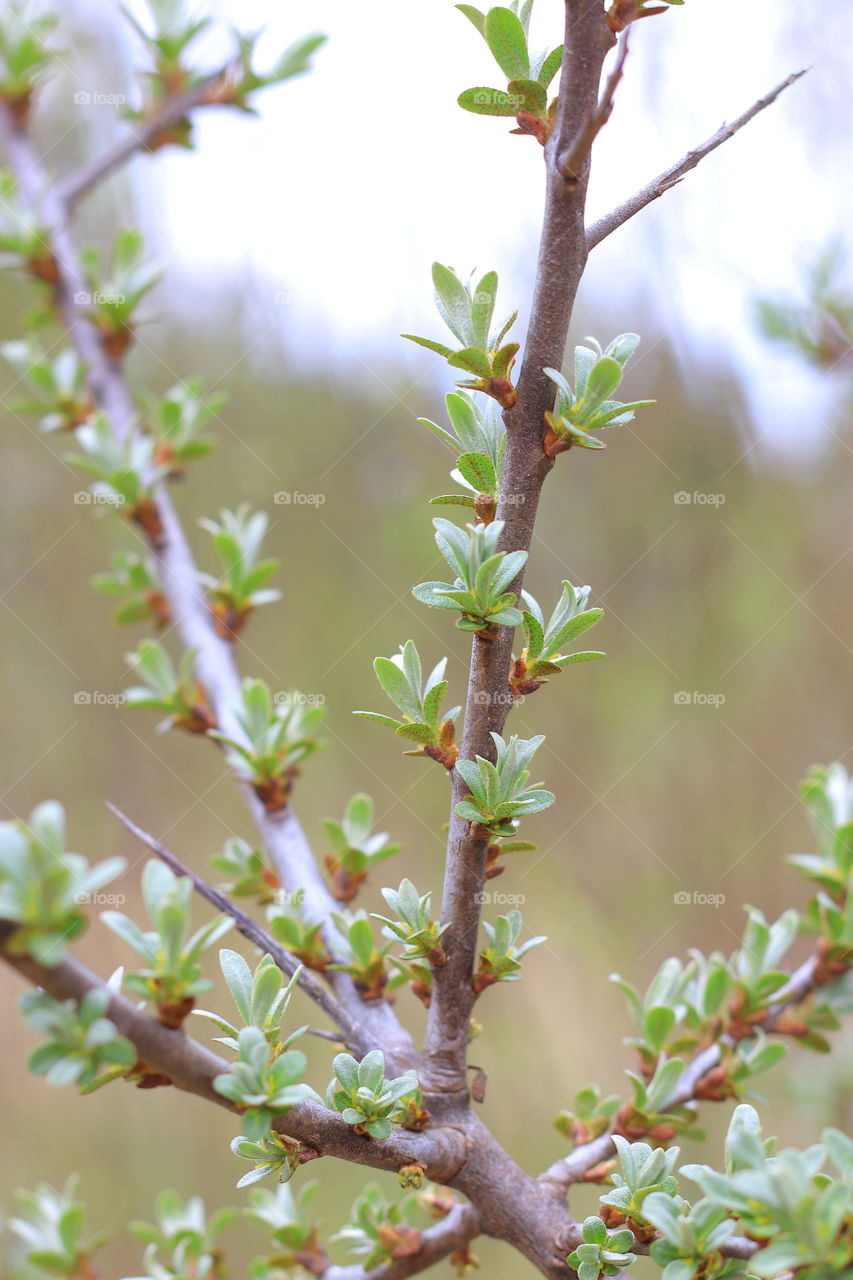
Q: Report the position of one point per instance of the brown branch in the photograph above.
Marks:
(573, 160)
(141, 136)
(250, 929)
(672, 176)
(573, 1167)
(214, 661)
(192, 1068)
(451, 1234)
(562, 258)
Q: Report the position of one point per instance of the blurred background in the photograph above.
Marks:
(716, 532)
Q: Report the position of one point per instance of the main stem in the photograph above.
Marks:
(561, 263)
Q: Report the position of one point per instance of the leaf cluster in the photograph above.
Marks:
(172, 976)
(467, 310)
(43, 886)
(479, 593)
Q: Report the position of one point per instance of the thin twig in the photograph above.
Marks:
(193, 1068)
(138, 138)
(573, 1167)
(572, 161)
(672, 176)
(452, 1233)
(249, 928)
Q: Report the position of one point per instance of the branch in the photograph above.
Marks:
(671, 177)
(452, 1233)
(285, 961)
(214, 661)
(140, 137)
(562, 258)
(571, 162)
(572, 1168)
(193, 1068)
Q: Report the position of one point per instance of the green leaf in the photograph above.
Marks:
(474, 16)
(550, 66)
(472, 359)
(505, 37)
(483, 101)
(479, 471)
(530, 95)
(453, 303)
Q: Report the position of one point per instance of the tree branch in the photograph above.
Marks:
(214, 661)
(572, 161)
(447, 1236)
(192, 1068)
(251, 930)
(672, 176)
(562, 258)
(140, 137)
(572, 1168)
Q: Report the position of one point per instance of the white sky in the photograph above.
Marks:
(336, 201)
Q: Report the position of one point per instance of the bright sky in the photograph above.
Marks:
(336, 201)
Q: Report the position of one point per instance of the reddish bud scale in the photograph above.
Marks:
(423, 993)
(533, 125)
(345, 884)
(115, 342)
(502, 390)
(144, 512)
(146, 1077)
(229, 622)
(552, 444)
(199, 718)
(44, 267)
(485, 508)
(172, 1013)
(159, 606)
